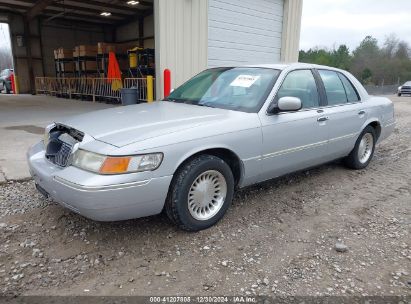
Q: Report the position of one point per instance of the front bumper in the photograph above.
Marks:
(405, 91)
(101, 198)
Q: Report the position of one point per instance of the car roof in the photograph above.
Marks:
(294, 65)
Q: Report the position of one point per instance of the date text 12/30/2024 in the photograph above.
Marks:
(222, 299)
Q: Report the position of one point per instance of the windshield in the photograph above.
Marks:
(239, 89)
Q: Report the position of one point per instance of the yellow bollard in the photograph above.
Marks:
(150, 89)
(16, 85)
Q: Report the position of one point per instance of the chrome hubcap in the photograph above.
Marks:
(365, 148)
(207, 195)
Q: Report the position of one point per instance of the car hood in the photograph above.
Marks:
(122, 126)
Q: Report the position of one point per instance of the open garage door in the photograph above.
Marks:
(72, 38)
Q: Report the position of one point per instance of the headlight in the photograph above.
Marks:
(110, 165)
(399, 88)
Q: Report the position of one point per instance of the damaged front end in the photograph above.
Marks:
(60, 144)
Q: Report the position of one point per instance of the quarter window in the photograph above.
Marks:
(334, 87)
(352, 95)
(300, 84)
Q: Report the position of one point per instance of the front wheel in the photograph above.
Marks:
(399, 94)
(200, 194)
(363, 151)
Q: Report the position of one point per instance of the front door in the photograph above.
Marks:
(295, 140)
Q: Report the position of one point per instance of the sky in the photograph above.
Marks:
(4, 35)
(326, 23)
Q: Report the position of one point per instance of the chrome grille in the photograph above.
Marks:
(62, 157)
(60, 148)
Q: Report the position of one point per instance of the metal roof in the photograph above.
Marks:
(78, 10)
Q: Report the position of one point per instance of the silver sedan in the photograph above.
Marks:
(226, 128)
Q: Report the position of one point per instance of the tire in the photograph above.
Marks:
(361, 156)
(399, 94)
(188, 193)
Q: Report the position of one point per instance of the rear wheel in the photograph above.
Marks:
(363, 152)
(200, 194)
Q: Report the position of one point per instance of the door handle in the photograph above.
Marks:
(362, 112)
(323, 118)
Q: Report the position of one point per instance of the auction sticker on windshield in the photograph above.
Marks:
(244, 81)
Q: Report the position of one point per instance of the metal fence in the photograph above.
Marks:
(95, 89)
(382, 90)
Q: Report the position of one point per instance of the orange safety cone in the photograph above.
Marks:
(114, 72)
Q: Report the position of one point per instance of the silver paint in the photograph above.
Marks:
(267, 146)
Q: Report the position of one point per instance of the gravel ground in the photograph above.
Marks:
(327, 231)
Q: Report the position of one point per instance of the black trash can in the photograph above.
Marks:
(129, 96)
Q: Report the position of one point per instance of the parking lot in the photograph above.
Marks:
(22, 122)
(277, 239)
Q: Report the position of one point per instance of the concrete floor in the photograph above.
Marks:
(22, 122)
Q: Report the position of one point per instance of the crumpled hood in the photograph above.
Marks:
(122, 126)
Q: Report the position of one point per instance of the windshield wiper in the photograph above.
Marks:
(173, 100)
(190, 102)
(206, 104)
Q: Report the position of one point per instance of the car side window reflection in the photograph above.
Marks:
(300, 84)
(334, 88)
(352, 95)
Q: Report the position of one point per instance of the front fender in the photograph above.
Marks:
(245, 145)
(204, 148)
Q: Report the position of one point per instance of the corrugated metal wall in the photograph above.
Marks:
(193, 34)
(244, 32)
(291, 30)
(180, 38)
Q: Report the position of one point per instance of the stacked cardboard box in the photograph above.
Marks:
(105, 48)
(84, 59)
(88, 65)
(87, 50)
(62, 53)
(76, 52)
(66, 67)
(118, 48)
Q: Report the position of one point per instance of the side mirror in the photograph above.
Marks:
(286, 104)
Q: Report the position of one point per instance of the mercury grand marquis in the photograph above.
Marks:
(225, 129)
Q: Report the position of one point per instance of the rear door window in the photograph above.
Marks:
(334, 87)
(352, 95)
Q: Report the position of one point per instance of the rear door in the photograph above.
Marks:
(344, 112)
(295, 140)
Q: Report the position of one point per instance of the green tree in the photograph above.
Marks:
(369, 62)
(366, 76)
(342, 57)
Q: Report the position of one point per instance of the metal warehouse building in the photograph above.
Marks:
(187, 35)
